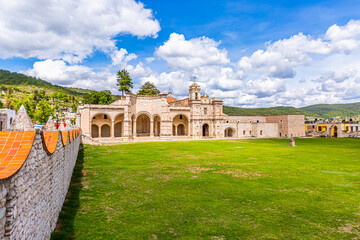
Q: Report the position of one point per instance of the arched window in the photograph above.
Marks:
(94, 131)
(196, 96)
(105, 130)
(181, 130)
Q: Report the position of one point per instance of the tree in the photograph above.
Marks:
(74, 108)
(124, 81)
(148, 88)
(1, 104)
(43, 111)
(94, 97)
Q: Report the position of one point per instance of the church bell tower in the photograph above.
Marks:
(194, 92)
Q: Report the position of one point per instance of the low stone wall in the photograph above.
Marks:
(33, 184)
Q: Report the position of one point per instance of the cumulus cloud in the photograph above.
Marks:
(344, 38)
(265, 87)
(188, 54)
(71, 30)
(59, 72)
(296, 71)
(280, 58)
(121, 57)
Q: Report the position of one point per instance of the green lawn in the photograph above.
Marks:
(236, 189)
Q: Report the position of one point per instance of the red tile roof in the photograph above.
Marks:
(171, 99)
(70, 136)
(50, 139)
(64, 136)
(15, 147)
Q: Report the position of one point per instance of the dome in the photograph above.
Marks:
(171, 99)
(194, 85)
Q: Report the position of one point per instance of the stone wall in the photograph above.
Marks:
(33, 185)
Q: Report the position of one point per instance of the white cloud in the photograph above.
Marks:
(188, 54)
(58, 72)
(70, 30)
(281, 57)
(265, 87)
(121, 57)
(344, 38)
(149, 59)
(297, 71)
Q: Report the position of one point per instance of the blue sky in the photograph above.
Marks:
(249, 53)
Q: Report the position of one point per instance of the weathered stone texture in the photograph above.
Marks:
(33, 197)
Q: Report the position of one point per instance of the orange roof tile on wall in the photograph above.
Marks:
(50, 139)
(64, 136)
(15, 147)
(70, 136)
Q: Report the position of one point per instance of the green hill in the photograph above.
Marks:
(16, 79)
(236, 111)
(333, 110)
(318, 110)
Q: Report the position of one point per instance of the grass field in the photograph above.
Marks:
(236, 189)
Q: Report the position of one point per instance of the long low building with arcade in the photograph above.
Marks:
(162, 117)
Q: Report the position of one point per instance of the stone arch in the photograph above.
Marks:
(143, 125)
(101, 119)
(143, 113)
(334, 131)
(229, 132)
(183, 120)
(94, 131)
(157, 125)
(118, 129)
(100, 115)
(105, 130)
(118, 125)
(205, 130)
(181, 130)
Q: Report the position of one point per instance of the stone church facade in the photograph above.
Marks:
(162, 117)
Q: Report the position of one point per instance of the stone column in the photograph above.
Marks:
(126, 129)
(100, 131)
(134, 130)
(155, 128)
(112, 130)
(175, 130)
(151, 128)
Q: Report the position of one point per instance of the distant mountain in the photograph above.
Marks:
(318, 110)
(334, 110)
(13, 78)
(236, 111)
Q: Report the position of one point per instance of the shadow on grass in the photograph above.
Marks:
(65, 226)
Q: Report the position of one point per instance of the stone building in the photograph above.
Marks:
(6, 118)
(162, 117)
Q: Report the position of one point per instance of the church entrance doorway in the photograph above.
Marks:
(205, 130)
